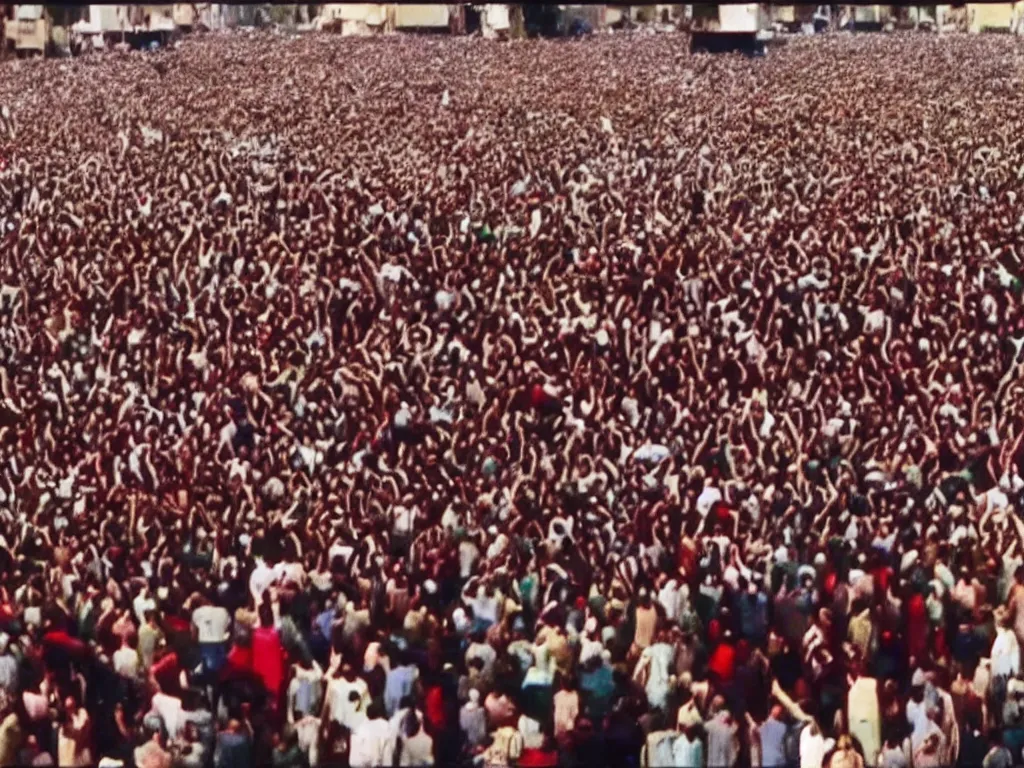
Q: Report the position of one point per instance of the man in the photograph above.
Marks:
(413, 748)
(723, 735)
(151, 754)
(347, 698)
(126, 660)
(234, 747)
(371, 743)
(772, 733)
(151, 637)
(473, 721)
(998, 755)
(688, 749)
(212, 624)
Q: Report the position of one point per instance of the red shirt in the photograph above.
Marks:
(538, 396)
(166, 671)
(723, 661)
(538, 758)
(268, 657)
(239, 662)
(433, 709)
(59, 639)
(917, 627)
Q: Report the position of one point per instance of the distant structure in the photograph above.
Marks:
(26, 29)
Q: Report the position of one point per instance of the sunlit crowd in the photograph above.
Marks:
(427, 401)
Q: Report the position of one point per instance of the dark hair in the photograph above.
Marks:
(411, 724)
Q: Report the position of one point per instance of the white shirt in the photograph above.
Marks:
(349, 714)
(1005, 653)
(708, 497)
(996, 499)
(402, 519)
(370, 744)
(484, 652)
(813, 748)
(260, 580)
(652, 452)
(169, 708)
(212, 623)
(126, 662)
(142, 603)
(468, 554)
(290, 572)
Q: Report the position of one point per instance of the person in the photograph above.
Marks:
(74, 737)
(287, 753)
(865, 717)
(151, 754)
(723, 744)
(845, 755)
(213, 626)
(234, 746)
(413, 748)
(771, 735)
(11, 735)
(669, 403)
(473, 722)
(505, 748)
(371, 742)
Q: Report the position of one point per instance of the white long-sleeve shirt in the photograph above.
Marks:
(370, 744)
(1005, 653)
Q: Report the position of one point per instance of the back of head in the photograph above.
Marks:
(411, 724)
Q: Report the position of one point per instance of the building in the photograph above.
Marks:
(353, 18)
(425, 17)
(495, 20)
(27, 30)
(990, 16)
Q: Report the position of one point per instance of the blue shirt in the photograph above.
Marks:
(599, 686)
(324, 622)
(398, 685)
(773, 749)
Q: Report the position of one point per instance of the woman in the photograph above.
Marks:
(74, 737)
(845, 755)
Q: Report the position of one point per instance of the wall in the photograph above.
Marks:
(183, 15)
(783, 13)
(421, 16)
(495, 19)
(738, 18)
(105, 18)
(989, 15)
(352, 11)
(28, 34)
(867, 13)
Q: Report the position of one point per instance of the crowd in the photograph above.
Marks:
(421, 401)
